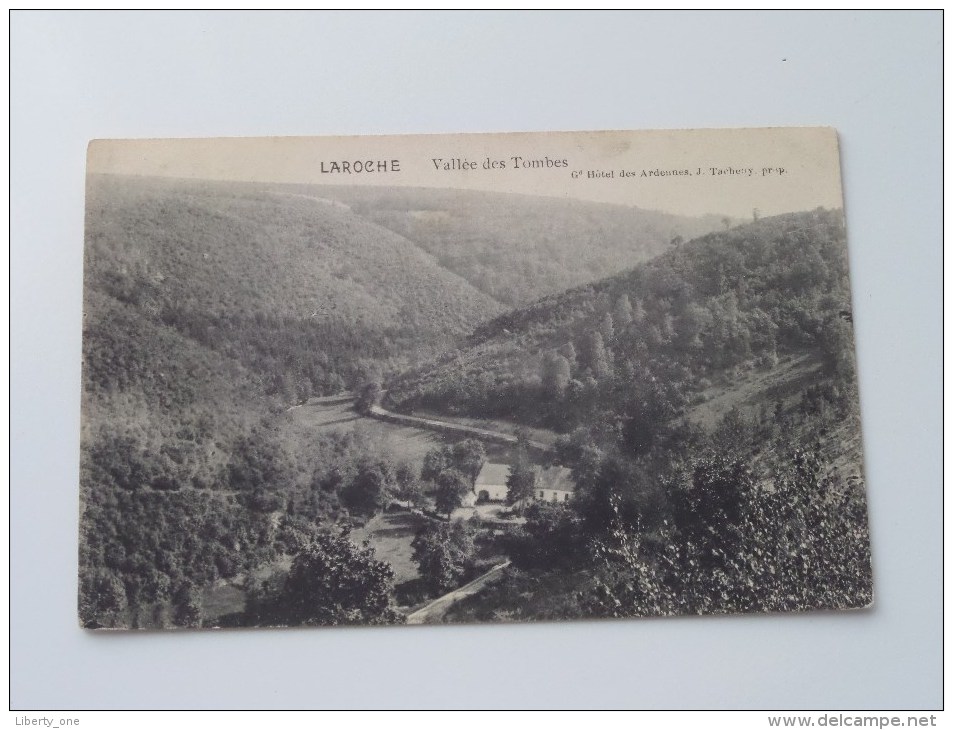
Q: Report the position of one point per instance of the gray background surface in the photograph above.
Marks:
(876, 77)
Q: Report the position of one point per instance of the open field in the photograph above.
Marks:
(390, 535)
(403, 440)
(407, 442)
(542, 435)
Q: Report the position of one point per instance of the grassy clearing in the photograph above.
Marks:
(221, 599)
(753, 389)
(403, 441)
(543, 435)
(839, 446)
(390, 535)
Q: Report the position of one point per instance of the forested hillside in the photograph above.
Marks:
(519, 248)
(709, 405)
(209, 309)
(302, 292)
(716, 379)
(630, 351)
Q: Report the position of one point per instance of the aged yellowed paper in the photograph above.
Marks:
(468, 378)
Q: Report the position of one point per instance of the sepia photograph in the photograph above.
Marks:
(482, 378)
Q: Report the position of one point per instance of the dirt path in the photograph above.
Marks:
(435, 610)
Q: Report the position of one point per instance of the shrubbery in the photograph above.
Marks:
(332, 582)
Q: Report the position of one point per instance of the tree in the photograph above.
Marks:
(452, 487)
(578, 451)
(596, 357)
(367, 397)
(408, 485)
(630, 579)
(468, 457)
(593, 355)
(444, 553)
(333, 582)
(260, 500)
(259, 463)
(732, 433)
(645, 411)
(551, 538)
(436, 461)
(708, 510)
(814, 527)
(638, 312)
(623, 312)
(465, 457)
(102, 600)
(294, 534)
(521, 482)
(801, 544)
(368, 493)
(618, 490)
(607, 327)
(693, 321)
(555, 374)
(568, 351)
(186, 608)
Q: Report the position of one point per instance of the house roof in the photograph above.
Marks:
(492, 474)
(555, 477)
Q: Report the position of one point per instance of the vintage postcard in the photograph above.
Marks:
(468, 378)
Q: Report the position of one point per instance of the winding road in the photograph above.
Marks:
(435, 610)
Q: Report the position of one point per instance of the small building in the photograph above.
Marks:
(490, 485)
(553, 484)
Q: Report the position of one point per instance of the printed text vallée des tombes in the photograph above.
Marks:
(442, 164)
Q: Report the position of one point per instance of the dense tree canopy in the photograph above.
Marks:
(331, 582)
(444, 553)
(647, 341)
(452, 488)
(704, 481)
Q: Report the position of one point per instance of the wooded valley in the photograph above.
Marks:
(695, 376)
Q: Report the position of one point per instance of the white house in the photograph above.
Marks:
(490, 485)
(553, 484)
